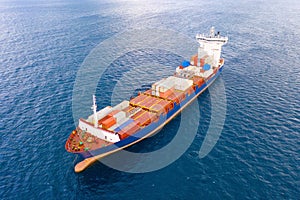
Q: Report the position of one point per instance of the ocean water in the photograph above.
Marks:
(43, 45)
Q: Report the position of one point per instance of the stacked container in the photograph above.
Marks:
(161, 107)
(194, 60)
(162, 88)
(137, 99)
(181, 84)
(166, 94)
(108, 122)
(177, 97)
(123, 125)
(100, 114)
(197, 80)
(129, 128)
(155, 87)
(144, 118)
(120, 116)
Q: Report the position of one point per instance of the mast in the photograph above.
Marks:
(94, 107)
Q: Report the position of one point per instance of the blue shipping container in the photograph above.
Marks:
(206, 67)
(185, 63)
(119, 128)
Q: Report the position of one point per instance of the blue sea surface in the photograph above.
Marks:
(44, 43)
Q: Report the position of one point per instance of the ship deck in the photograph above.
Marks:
(84, 141)
(144, 109)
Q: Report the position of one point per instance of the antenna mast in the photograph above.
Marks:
(94, 107)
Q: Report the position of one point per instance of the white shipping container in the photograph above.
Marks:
(165, 85)
(161, 88)
(182, 87)
(120, 116)
(181, 83)
(156, 84)
(153, 86)
(157, 93)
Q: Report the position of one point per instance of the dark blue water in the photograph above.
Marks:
(42, 46)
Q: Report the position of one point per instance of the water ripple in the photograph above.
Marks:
(42, 45)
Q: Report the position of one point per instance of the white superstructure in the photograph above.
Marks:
(211, 44)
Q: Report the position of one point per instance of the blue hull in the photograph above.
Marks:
(154, 126)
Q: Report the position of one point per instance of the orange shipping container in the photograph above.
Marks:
(195, 59)
(162, 106)
(180, 95)
(148, 92)
(176, 96)
(168, 105)
(104, 118)
(202, 62)
(109, 122)
(138, 99)
(135, 116)
(151, 102)
(157, 108)
(173, 98)
(145, 101)
(138, 114)
(146, 118)
(122, 135)
(166, 93)
(128, 130)
(198, 80)
(152, 116)
(143, 120)
(190, 90)
(128, 109)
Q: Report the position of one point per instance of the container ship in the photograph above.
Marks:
(116, 127)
